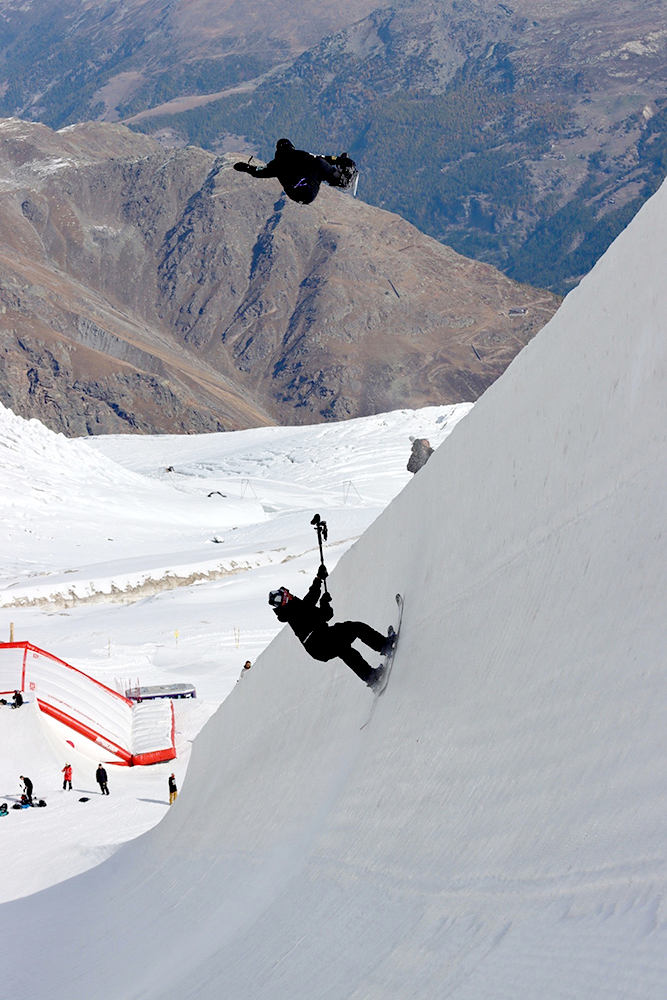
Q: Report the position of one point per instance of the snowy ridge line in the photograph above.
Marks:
(129, 587)
(125, 589)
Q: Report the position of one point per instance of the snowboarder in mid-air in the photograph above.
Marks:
(301, 173)
(309, 622)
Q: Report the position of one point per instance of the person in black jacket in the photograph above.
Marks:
(309, 622)
(101, 779)
(299, 172)
(27, 788)
(18, 699)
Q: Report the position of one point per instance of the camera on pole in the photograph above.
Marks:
(322, 534)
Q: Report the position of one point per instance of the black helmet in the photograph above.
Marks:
(284, 144)
(279, 597)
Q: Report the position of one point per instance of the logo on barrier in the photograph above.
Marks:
(107, 746)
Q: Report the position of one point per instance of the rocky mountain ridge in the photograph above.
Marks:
(148, 289)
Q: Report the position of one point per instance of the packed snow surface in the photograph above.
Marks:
(99, 545)
(497, 829)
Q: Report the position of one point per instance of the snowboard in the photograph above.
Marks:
(388, 662)
(389, 659)
(349, 173)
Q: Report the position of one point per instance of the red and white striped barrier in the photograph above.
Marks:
(131, 733)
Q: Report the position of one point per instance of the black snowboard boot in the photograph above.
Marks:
(389, 644)
(375, 678)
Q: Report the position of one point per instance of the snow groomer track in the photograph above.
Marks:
(105, 723)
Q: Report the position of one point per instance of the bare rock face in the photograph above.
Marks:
(152, 290)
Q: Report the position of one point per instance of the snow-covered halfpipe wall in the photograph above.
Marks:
(132, 734)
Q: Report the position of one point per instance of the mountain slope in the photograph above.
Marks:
(497, 830)
(80, 59)
(147, 289)
(525, 134)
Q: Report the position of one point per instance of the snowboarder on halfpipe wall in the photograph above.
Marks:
(308, 618)
(301, 173)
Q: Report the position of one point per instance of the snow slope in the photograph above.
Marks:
(98, 536)
(498, 829)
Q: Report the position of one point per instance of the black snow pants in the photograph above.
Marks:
(329, 641)
(305, 190)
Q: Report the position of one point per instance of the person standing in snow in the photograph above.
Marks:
(421, 452)
(27, 788)
(246, 666)
(101, 779)
(18, 699)
(173, 790)
(322, 641)
(67, 777)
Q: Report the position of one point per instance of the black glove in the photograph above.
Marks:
(322, 572)
(325, 606)
(245, 168)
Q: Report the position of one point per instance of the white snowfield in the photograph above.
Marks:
(499, 829)
(108, 563)
(138, 512)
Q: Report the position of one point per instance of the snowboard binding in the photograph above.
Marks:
(348, 171)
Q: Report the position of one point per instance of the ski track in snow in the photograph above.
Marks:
(96, 534)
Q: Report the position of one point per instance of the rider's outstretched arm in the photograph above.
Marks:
(249, 168)
(268, 171)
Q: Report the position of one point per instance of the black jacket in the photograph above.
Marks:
(27, 784)
(303, 615)
(299, 172)
(172, 785)
(100, 775)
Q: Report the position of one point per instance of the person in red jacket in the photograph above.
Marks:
(67, 776)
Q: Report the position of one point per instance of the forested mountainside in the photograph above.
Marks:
(525, 134)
